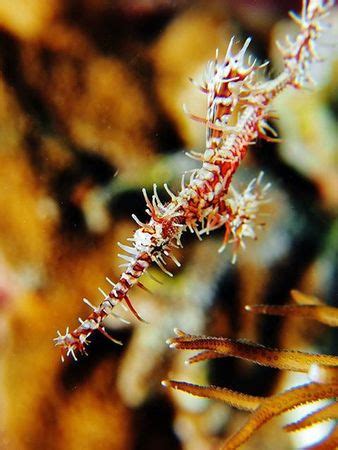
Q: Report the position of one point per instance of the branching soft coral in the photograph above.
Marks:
(233, 398)
(277, 404)
(323, 383)
(215, 347)
(322, 372)
(306, 306)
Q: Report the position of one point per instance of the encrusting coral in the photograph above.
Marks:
(238, 113)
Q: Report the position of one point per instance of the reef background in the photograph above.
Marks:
(91, 95)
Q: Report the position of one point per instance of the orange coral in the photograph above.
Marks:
(327, 412)
(218, 347)
(307, 307)
(322, 372)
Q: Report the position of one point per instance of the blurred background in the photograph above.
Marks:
(91, 95)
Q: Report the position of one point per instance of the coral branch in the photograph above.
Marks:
(233, 398)
(278, 404)
(327, 315)
(304, 299)
(327, 412)
(281, 359)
